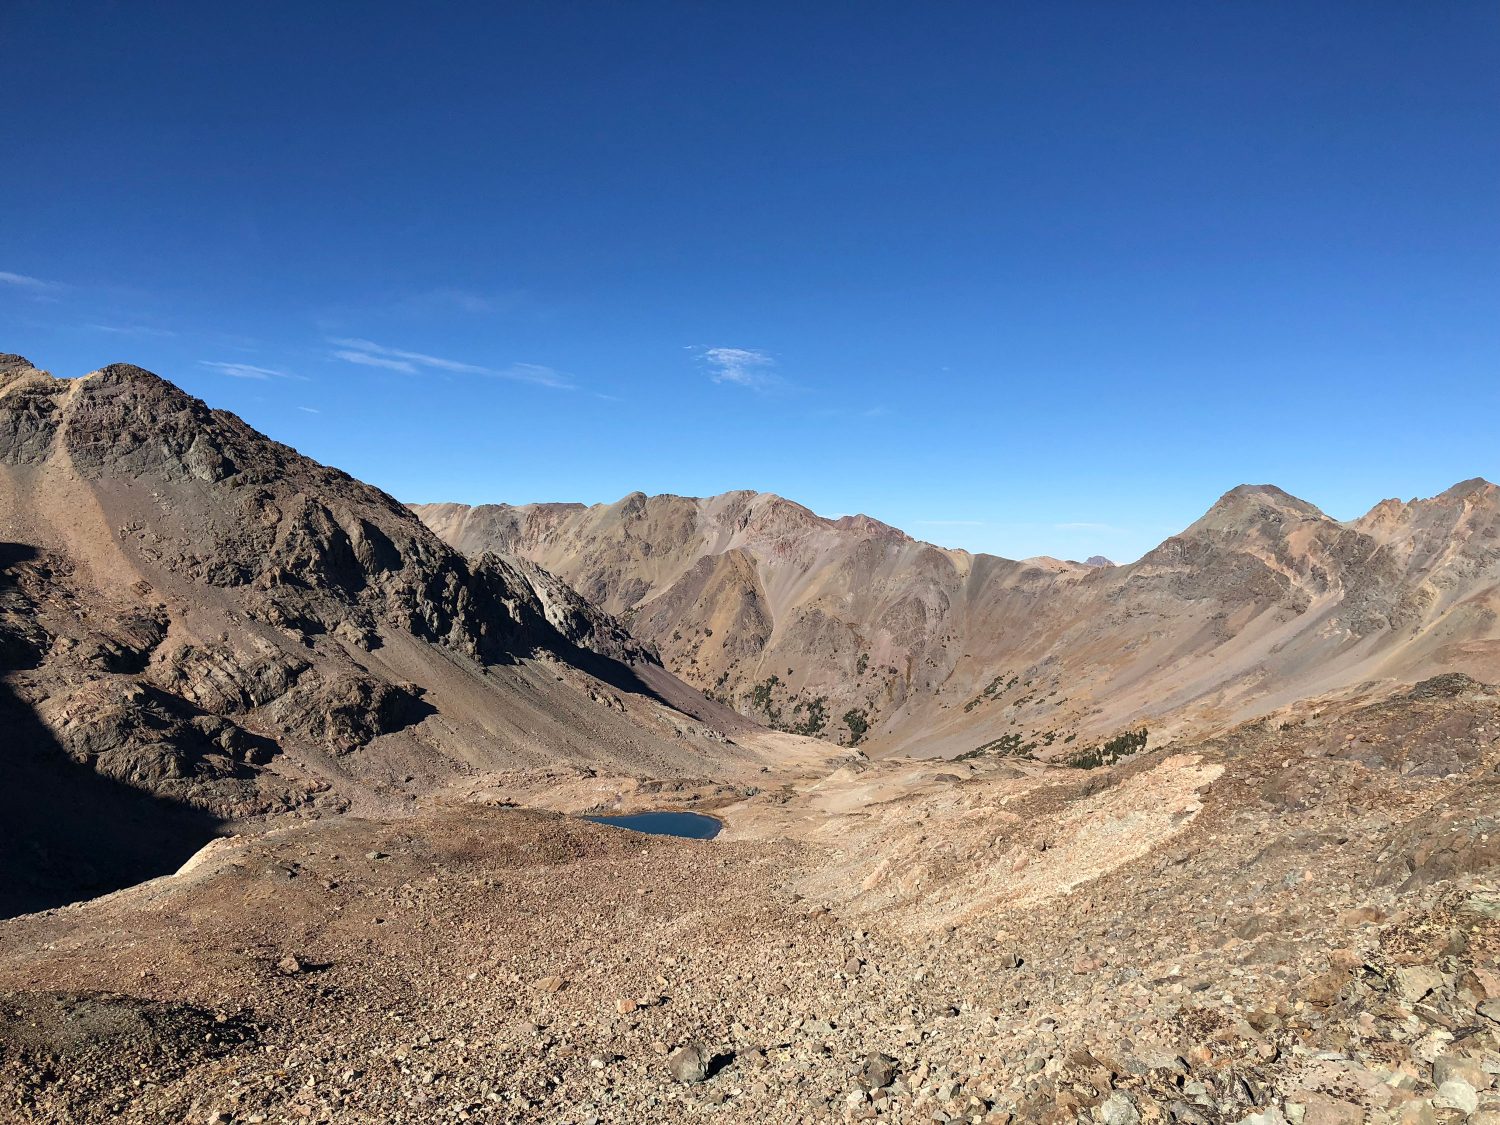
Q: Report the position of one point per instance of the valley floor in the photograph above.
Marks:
(1295, 923)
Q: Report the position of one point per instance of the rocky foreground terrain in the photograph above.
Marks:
(328, 770)
(1294, 924)
(852, 631)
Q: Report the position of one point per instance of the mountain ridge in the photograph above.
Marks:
(201, 617)
(1262, 581)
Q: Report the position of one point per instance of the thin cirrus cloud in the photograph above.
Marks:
(742, 367)
(364, 359)
(130, 330)
(248, 370)
(365, 353)
(22, 281)
(34, 288)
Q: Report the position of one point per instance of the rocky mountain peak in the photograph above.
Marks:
(17, 370)
(11, 363)
(869, 525)
(1475, 489)
(1451, 515)
(1255, 509)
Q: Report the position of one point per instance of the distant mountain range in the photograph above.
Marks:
(202, 630)
(852, 630)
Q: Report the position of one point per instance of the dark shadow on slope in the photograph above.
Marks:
(67, 832)
(652, 680)
(616, 673)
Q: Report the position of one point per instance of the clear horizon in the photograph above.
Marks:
(1046, 279)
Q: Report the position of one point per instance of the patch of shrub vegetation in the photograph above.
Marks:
(1006, 746)
(858, 723)
(991, 689)
(816, 718)
(760, 698)
(1110, 752)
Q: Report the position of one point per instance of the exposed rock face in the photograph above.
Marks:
(826, 626)
(191, 613)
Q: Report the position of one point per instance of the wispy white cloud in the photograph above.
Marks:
(535, 373)
(367, 348)
(309, 409)
(248, 370)
(130, 330)
(369, 354)
(34, 284)
(744, 367)
(365, 359)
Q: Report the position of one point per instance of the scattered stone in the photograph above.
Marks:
(689, 1063)
(1457, 1094)
(1320, 1109)
(1118, 1109)
(1271, 1116)
(1471, 1071)
(1484, 904)
(1416, 981)
(878, 1071)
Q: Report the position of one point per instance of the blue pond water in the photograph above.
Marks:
(690, 826)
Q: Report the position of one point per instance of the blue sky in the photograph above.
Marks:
(1025, 278)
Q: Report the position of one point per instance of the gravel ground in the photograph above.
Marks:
(1293, 924)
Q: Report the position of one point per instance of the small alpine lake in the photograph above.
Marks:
(690, 826)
